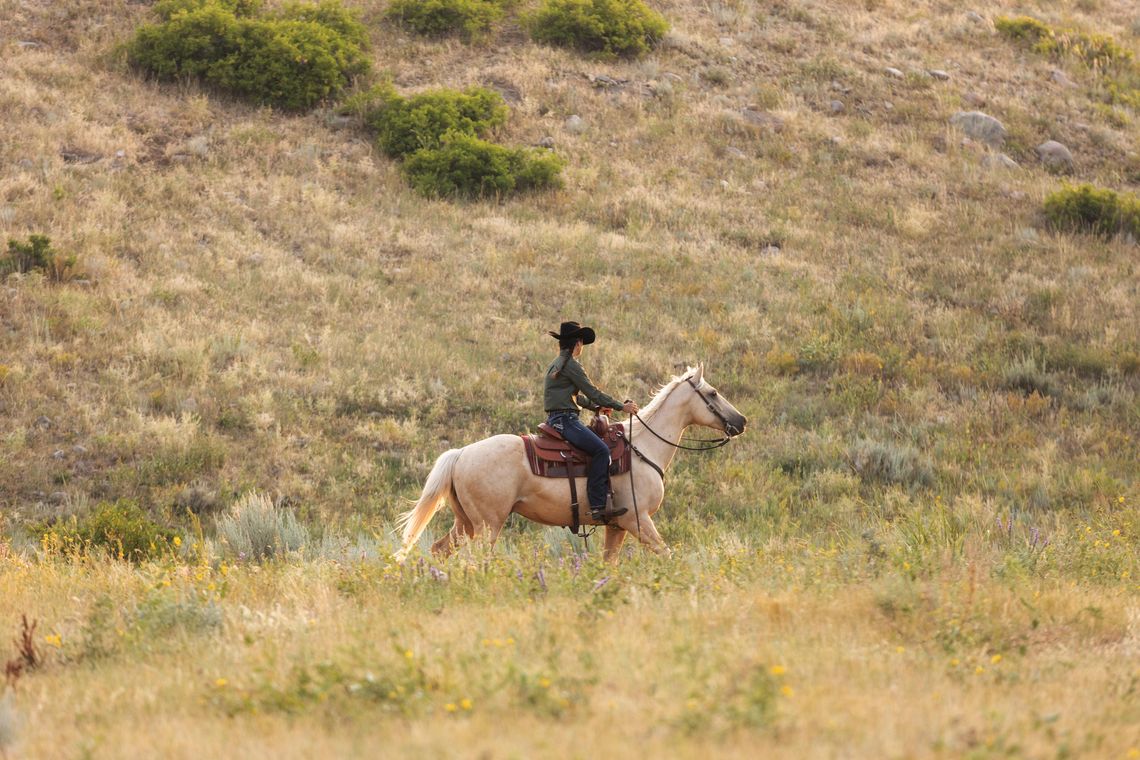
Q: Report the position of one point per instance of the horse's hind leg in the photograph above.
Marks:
(462, 527)
(443, 547)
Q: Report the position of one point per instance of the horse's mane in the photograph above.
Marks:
(663, 393)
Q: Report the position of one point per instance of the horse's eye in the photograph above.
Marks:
(715, 394)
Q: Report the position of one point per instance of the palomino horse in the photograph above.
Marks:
(487, 480)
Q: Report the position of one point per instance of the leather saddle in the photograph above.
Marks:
(551, 456)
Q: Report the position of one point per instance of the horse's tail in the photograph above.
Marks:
(436, 490)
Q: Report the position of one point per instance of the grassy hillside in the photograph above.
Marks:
(937, 381)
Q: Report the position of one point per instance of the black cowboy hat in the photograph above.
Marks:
(573, 331)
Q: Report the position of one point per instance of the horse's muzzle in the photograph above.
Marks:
(735, 426)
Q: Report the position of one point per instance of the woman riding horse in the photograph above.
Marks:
(567, 388)
(487, 481)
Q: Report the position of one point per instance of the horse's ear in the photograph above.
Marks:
(699, 373)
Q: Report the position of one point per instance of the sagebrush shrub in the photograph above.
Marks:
(292, 59)
(626, 28)
(467, 167)
(437, 18)
(8, 722)
(890, 463)
(257, 529)
(161, 613)
(404, 125)
(1028, 377)
(1086, 208)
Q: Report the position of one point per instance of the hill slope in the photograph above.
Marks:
(926, 544)
(269, 305)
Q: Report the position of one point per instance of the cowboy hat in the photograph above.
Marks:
(573, 331)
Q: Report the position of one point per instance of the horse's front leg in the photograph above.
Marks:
(615, 536)
(648, 533)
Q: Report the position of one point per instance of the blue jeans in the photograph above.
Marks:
(580, 436)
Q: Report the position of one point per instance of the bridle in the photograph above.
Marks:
(729, 428)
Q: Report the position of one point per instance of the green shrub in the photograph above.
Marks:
(610, 28)
(243, 8)
(1085, 208)
(331, 15)
(1023, 29)
(465, 166)
(188, 45)
(294, 59)
(292, 64)
(439, 135)
(257, 529)
(1116, 65)
(37, 255)
(405, 125)
(437, 18)
(123, 529)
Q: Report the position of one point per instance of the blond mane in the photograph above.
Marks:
(663, 393)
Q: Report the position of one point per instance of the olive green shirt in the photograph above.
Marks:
(568, 387)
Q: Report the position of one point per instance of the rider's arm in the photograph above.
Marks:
(573, 371)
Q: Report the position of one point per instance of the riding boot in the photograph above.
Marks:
(607, 512)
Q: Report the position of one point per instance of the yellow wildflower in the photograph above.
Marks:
(409, 654)
(465, 703)
(450, 707)
(995, 659)
(544, 682)
(777, 670)
(220, 682)
(787, 691)
(177, 541)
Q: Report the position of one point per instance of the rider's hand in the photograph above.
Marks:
(630, 408)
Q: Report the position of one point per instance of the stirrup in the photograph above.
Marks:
(607, 513)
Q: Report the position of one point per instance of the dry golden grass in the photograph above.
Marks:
(266, 305)
(720, 658)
